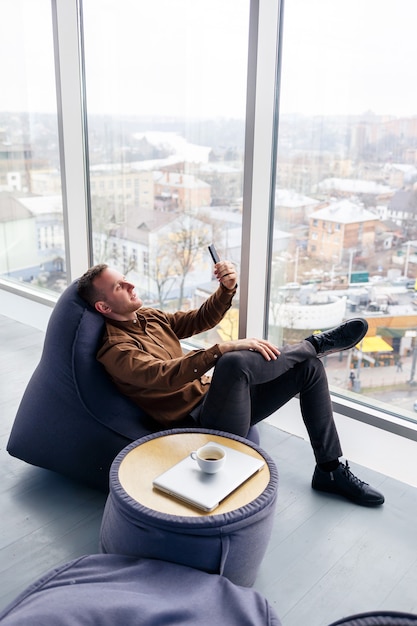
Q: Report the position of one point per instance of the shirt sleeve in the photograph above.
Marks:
(209, 314)
(133, 369)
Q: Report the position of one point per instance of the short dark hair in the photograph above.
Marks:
(86, 288)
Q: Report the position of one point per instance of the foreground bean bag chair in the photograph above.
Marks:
(72, 419)
(108, 590)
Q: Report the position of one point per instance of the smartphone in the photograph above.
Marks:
(214, 254)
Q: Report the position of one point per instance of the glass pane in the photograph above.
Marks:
(166, 95)
(346, 201)
(31, 222)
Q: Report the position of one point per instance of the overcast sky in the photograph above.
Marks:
(351, 56)
(339, 56)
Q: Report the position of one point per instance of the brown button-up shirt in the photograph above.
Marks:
(145, 360)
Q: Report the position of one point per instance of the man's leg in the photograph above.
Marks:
(228, 404)
(246, 388)
(309, 380)
(244, 391)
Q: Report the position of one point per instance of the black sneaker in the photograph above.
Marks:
(343, 337)
(344, 483)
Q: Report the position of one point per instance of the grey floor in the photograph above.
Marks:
(326, 559)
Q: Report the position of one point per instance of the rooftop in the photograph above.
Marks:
(353, 185)
(344, 212)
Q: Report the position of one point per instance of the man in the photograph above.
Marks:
(141, 352)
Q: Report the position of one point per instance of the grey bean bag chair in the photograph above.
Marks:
(72, 419)
(107, 590)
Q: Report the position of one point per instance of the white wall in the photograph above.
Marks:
(24, 310)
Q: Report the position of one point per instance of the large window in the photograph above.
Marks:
(166, 96)
(161, 152)
(31, 221)
(346, 199)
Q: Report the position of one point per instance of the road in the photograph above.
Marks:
(385, 384)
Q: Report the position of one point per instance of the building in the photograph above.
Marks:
(18, 249)
(339, 228)
(292, 208)
(178, 191)
(118, 190)
(225, 180)
(348, 187)
(163, 253)
(402, 209)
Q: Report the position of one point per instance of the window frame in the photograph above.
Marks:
(259, 178)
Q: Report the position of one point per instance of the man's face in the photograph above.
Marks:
(119, 298)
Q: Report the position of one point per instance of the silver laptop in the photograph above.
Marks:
(188, 483)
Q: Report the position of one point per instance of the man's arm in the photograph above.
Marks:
(264, 347)
(138, 373)
(227, 276)
(213, 310)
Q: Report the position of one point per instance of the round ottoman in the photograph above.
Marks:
(139, 521)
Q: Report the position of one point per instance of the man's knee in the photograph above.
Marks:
(235, 363)
(312, 366)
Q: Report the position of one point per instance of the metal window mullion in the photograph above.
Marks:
(259, 170)
(66, 15)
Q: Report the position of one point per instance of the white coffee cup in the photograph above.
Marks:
(210, 458)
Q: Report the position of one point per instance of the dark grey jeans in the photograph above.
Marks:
(246, 388)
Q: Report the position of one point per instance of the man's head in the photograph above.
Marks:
(109, 293)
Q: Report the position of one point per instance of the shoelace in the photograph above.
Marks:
(354, 479)
(326, 335)
(328, 339)
(323, 339)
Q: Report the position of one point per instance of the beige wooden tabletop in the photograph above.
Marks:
(148, 460)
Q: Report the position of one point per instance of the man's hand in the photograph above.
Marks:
(225, 273)
(265, 348)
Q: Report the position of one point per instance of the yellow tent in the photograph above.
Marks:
(374, 344)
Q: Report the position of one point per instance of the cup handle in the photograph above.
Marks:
(193, 455)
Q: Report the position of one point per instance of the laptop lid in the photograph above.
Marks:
(188, 483)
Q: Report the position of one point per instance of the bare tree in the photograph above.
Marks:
(162, 271)
(186, 245)
(104, 225)
(176, 255)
